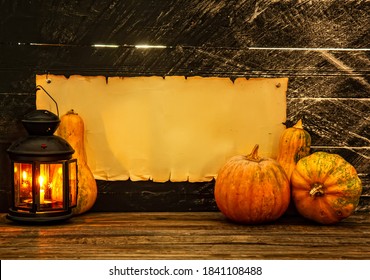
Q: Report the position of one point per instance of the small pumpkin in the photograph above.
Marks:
(72, 129)
(294, 144)
(252, 189)
(325, 188)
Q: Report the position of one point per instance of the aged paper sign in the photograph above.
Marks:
(173, 128)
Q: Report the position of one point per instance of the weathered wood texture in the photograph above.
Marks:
(268, 23)
(200, 37)
(200, 235)
(322, 46)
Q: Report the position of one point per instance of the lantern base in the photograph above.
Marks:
(38, 218)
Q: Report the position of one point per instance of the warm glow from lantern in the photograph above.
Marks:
(24, 175)
(42, 190)
(41, 181)
(25, 180)
(42, 196)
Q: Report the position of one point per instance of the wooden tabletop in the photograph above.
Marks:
(190, 235)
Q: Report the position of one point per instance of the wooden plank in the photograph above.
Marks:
(12, 109)
(364, 205)
(184, 236)
(15, 81)
(19, 21)
(333, 121)
(311, 87)
(182, 61)
(142, 196)
(289, 23)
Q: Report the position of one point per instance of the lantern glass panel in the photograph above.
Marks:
(72, 169)
(50, 185)
(23, 176)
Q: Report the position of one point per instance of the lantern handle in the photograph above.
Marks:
(56, 104)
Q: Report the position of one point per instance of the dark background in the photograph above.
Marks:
(322, 46)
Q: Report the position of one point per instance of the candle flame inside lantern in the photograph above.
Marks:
(42, 189)
(24, 175)
(41, 181)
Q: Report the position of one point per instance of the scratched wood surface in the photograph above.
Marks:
(322, 46)
(206, 235)
(227, 24)
(199, 37)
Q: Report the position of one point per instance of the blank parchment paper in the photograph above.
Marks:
(173, 128)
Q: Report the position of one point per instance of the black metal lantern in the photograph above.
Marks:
(44, 185)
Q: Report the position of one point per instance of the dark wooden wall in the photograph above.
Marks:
(322, 46)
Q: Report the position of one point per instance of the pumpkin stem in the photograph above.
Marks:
(317, 190)
(254, 154)
(71, 112)
(299, 124)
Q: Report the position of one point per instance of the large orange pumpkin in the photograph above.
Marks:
(72, 129)
(252, 189)
(325, 188)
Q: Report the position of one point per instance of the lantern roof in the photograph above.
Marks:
(40, 148)
(40, 144)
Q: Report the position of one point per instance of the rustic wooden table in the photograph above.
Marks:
(193, 235)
